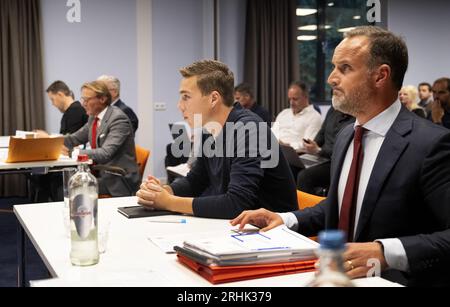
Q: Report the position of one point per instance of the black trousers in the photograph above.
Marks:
(314, 180)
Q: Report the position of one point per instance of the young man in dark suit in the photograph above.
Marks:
(390, 172)
(231, 174)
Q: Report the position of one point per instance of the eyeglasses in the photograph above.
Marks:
(87, 99)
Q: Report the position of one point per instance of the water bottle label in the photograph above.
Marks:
(82, 215)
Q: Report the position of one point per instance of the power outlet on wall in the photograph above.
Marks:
(160, 106)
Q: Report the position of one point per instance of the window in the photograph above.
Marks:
(321, 26)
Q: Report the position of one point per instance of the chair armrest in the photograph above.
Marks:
(113, 170)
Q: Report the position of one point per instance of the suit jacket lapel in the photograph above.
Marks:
(390, 152)
(104, 124)
(340, 151)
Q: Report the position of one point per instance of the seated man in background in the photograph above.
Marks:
(111, 137)
(74, 115)
(48, 187)
(301, 121)
(244, 97)
(222, 185)
(426, 98)
(114, 89)
(441, 105)
(318, 177)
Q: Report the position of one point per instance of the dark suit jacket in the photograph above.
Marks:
(407, 197)
(130, 113)
(115, 147)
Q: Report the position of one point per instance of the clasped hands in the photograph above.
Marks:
(153, 195)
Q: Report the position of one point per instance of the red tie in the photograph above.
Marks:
(94, 133)
(348, 209)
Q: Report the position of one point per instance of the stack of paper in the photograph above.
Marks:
(239, 256)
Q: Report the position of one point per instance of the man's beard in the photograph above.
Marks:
(355, 102)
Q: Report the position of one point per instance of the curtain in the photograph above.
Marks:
(271, 56)
(21, 77)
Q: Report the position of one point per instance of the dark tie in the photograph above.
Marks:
(348, 208)
(94, 133)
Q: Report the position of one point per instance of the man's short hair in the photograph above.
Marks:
(244, 88)
(385, 48)
(302, 86)
(100, 89)
(60, 87)
(430, 88)
(445, 79)
(111, 80)
(212, 76)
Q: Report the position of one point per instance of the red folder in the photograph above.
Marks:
(224, 274)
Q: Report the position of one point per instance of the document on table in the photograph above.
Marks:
(278, 241)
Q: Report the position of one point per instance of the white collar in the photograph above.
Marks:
(383, 121)
(115, 101)
(102, 114)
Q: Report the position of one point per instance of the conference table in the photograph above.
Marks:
(136, 250)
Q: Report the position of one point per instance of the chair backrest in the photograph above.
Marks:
(142, 156)
(306, 200)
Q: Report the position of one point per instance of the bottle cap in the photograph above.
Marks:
(83, 158)
(332, 239)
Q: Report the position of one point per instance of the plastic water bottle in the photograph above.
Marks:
(331, 268)
(83, 196)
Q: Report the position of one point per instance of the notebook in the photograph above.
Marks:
(139, 211)
(32, 150)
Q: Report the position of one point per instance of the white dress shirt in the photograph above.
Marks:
(373, 139)
(293, 128)
(100, 117)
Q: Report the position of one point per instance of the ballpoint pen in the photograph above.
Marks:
(182, 221)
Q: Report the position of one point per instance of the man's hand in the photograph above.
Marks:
(261, 218)
(153, 195)
(311, 147)
(65, 151)
(357, 256)
(437, 112)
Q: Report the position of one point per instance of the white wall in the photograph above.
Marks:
(182, 34)
(106, 41)
(103, 43)
(425, 26)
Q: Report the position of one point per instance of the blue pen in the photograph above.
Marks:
(273, 248)
(182, 221)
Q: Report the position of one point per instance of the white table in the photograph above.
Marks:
(131, 258)
(33, 167)
(4, 141)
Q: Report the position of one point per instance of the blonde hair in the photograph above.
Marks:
(100, 89)
(413, 95)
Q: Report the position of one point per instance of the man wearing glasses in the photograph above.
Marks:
(111, 137)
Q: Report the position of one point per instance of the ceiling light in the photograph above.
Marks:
(306, 12)
(312, 28)
(306, 37)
